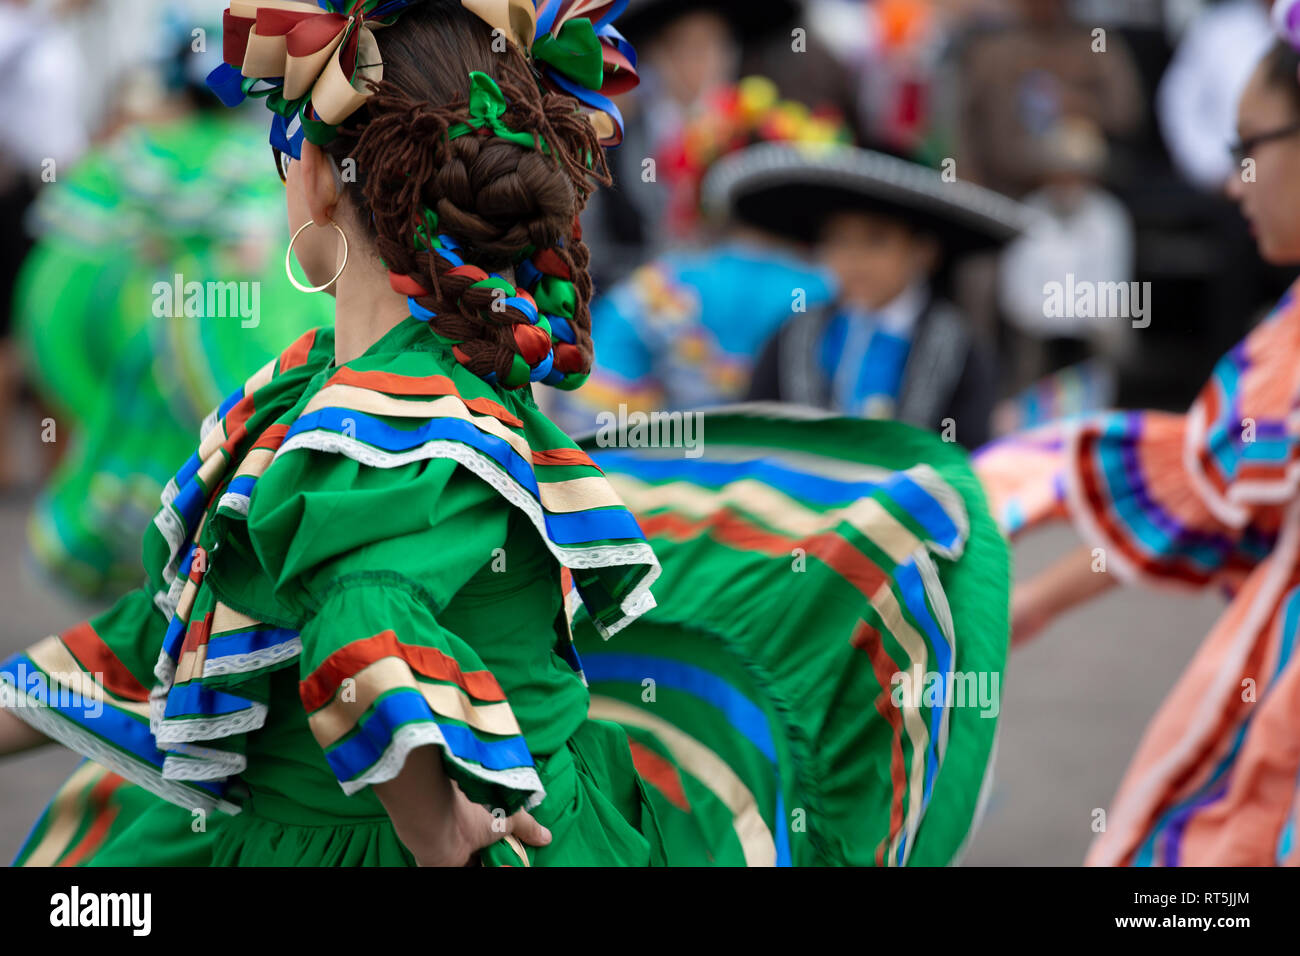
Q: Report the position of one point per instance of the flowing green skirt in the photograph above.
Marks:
(819, 685)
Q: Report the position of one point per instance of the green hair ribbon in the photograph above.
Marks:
(487, 104)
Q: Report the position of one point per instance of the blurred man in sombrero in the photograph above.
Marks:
(688, 51)
(683, 330)
(891, 346)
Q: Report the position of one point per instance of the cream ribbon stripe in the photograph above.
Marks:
(71, 802)
(774, 508)
(337, 718)
(710, 769)
(558, 497)
(226, 620)
(53, 657)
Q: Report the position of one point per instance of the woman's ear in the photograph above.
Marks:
(319, 183)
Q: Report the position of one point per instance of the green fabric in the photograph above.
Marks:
(781, 641)
(575, 52)
(98, 819)
(341, 552)
(487, 104)
(174, 835)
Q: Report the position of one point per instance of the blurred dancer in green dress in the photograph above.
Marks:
(127, 370)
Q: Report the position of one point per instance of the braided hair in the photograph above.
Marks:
(445, 214)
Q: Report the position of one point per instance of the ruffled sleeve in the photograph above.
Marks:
(1195, 498)
(375, 557)
(1199, 498)
(1124, 480)
(1130, 492)
(381, 677)
(88, 688)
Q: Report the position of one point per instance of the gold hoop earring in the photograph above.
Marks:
(288, 259)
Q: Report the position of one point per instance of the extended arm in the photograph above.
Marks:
(1069, 582)
(17, 735)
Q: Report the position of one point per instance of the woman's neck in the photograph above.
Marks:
(366, 308)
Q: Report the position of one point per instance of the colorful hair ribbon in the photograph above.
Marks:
(312, 65)
(487, 104)
(577, 51)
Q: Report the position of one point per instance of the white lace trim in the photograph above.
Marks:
(169, 492)
(235, 502)
(254, 660)
(173, 730)
(209, 423)
(950, 501)
(181, 730)
(943, 617)
(77, 738)
(935, 592)
(167, 601)
(202, 763)
(640, 602)
(171, 527)
(164, 673)
(637, 603)
(163, 602)
(412, 736)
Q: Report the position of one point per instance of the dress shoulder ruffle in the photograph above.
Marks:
(422, 455)
(388, 411)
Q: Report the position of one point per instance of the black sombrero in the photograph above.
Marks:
(790, 190)
(749, 18)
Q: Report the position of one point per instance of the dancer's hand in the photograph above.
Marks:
(472, 827)
(439, 824)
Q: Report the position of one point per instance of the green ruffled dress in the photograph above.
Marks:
(367, 559)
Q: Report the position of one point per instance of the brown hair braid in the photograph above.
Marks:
(499, 200)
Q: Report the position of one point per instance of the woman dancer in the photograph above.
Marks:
(1204, 499)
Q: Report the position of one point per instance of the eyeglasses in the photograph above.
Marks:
(1243, 149)
(282, 161)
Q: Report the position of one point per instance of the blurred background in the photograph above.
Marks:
(1109, 120)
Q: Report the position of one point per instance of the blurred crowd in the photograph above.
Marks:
(884, 285)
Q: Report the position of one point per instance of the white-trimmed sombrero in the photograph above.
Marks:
(790, 190)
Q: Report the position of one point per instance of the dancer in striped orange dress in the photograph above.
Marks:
(1210, 498)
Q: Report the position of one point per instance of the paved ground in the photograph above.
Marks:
(1075, 704)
